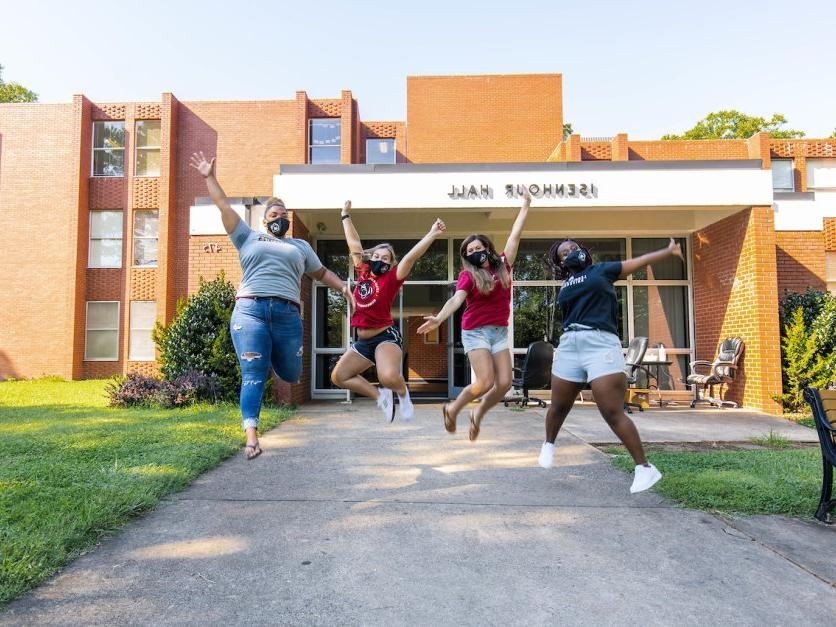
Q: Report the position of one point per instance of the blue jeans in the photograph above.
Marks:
(265, 332)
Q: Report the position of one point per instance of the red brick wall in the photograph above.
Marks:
(829, 233)
(426, 361)
(734, 278)
(38, 222)
(801, 261)
(249, 140)
(479, 119)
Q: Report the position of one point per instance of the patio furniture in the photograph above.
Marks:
(721, 371)
(823, 404)
(536, 374)
(636, 397)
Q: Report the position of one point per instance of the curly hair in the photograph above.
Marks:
(559, 271)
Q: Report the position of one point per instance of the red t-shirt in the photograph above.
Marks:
(493, 308)
(374, 296)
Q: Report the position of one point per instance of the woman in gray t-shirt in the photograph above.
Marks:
(266, 325)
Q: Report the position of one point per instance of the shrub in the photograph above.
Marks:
(803, 365)
(198, 339)
(811, 302)
(136, 390)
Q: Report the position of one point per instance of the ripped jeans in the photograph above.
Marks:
(265, 332)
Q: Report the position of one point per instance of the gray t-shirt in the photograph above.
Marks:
(272, 266)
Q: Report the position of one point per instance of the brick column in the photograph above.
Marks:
(736, 294)
(620, 148)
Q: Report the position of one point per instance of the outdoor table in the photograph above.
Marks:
(655, 363)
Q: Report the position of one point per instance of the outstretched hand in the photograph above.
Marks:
(526, 196)
(675, 249)
(202, 165)
(430, 323)
(438, 227)
(346, 208)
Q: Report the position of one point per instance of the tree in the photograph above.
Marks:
(833, 134)
(14, 92)
(567, 130)
(804, 366)
(731, 124)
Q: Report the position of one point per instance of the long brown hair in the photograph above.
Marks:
(482, 277)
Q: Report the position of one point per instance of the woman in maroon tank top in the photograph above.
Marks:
(485, 285)
(379, 342)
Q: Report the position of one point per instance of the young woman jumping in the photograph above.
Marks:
(379, 342)
(484, 284)
(266, 326)
(590, 348)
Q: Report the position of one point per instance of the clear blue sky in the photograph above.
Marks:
(645, 68)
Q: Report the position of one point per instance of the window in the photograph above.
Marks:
(102, 339)
(380, 151)
(821, 174)
(324, 141)
(148, 148)
(108, 148)
(782, 175)
(143, 318)
(146, 233)
(105, 239)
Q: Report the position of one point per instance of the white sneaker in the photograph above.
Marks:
(644, 478)
(405, 407)
(547, 455)
(386, 403)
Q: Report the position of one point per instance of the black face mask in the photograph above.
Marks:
(576, 261)
(477, 258)
(278, 227)
(379, 267)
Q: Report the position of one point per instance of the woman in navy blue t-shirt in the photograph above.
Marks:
(590, 348)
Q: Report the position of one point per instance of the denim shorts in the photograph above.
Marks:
(367, 347)
(586, 355)
(491, 337)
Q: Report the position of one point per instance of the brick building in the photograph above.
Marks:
(105, 226)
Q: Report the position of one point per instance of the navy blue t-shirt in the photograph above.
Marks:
(588, 297)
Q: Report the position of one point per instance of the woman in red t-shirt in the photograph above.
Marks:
(379, 342)
(485, 285)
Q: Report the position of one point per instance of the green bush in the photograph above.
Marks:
(803, 363)
(198, 338)
(811, 302)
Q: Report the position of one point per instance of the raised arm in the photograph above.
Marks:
(216, 193)
(513, 243)
(629, 266)
(355, 245)
(409, 259)
(432, 322)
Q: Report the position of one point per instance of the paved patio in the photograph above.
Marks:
(347, 520)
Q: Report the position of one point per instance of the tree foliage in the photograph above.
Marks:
(14, 92)
(567, 130)
(731, 124)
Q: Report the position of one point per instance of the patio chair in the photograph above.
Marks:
(823, 404)
(721, 371)
(632, 365)
(536, 374)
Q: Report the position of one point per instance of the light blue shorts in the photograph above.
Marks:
(584, 356)
(490, 337)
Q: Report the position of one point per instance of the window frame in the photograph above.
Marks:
(131, 329)
(379, 139)
(94, 149)
(310, 139)
(91, 239)
(792, 175)
(137, 148)
(135, 237)
(87, 329)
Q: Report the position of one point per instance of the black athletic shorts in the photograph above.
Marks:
(367, 347)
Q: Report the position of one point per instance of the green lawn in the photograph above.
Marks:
(73, 469)
(786, 481)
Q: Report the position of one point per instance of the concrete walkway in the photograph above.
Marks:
(347, 520)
